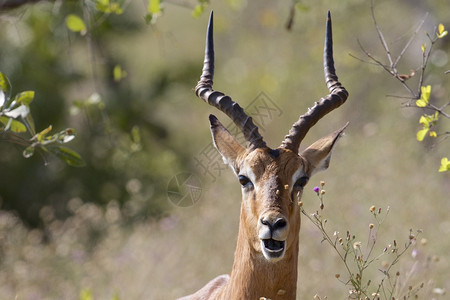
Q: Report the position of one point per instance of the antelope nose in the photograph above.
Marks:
(275, 224)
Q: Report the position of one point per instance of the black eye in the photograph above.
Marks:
(301, 182)
(244, 181)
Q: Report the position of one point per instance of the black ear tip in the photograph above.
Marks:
(329, 15)
(213, 120)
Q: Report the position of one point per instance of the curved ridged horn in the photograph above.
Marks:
(221, 101)
(338, 95)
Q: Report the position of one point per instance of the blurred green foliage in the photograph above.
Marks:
(90, 71)
(126, 151)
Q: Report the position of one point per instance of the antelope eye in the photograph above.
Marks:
(301, 182)
(244, 181)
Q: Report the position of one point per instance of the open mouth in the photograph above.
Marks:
(272, 248)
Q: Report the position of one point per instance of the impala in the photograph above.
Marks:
(272, 181)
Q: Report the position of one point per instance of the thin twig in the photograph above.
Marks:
(380, 35)
(377, 62)
(390, 70)
(363, 60)
(410, 40)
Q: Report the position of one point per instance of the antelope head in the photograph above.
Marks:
(272, 180)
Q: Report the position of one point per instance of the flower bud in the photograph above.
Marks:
(372, 208)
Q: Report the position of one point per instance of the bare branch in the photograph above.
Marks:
(425, 57)
(410, 40)
(376, 61)
(390, 70)
(363, 60)
(380, 35)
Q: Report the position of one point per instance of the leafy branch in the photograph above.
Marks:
(420, 96)
(16, 120)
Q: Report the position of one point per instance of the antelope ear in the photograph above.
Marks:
(226, 144)
(319, 153)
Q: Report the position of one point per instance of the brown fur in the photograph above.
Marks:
(253, 276)
(265, 261)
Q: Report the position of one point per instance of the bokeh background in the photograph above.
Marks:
(115, 228)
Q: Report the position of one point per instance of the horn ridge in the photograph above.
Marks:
(221, 101)
(338, 95)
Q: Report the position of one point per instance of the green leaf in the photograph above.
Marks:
(441, 31)
(75, 24)
(108, 7)
(103, 6)
(4, 121)
(41, 135)
(425, 93)
(425, 121)
(69, 156)
(154, 7)
(25, 97)
(28, 152)
(421, 103)
(421, 134)
(198, 10)
(119, 73)
(17, 126)
(445, 165)
(13, 125)
(148, 19)
(5, 86)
